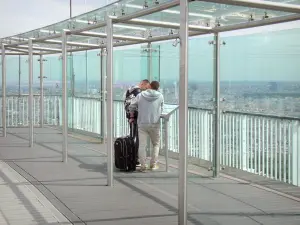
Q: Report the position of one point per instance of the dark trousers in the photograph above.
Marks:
(134, 132)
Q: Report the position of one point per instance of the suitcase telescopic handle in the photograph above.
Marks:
(132, 130)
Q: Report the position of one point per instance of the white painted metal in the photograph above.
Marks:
(110, 108)
(257, 23)
(183, 114)
(41, 91)
(3, 91)
(154, 23)
(30, 97)
(266, 5)
(64, 98)
(216, 169)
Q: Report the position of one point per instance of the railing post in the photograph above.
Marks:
(41, 92)
(110, 108)
(166, 125)
(183, 114)
(30, 97)
(243, 147)
(216, 161)
(295, 153)
(205, 135)
(64, 98)
(3, 92)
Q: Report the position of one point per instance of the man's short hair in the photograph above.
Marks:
(154, 85)
(146, 81)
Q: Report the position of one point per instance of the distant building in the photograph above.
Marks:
(273, 87)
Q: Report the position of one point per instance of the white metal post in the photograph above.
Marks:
(295, 154)
(3, 91)
(183, 114)
(103, 96)
(166, 124)
(216, 160)
(41, 92)
(30, 97)
(64, 98)
(109, 108)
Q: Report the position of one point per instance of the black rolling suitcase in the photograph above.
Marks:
(125, 153)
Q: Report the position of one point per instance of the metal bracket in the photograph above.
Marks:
(214, 42)
(211, 168)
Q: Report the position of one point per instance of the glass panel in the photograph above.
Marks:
(12, 75)
(24, 74)
(36, 74)
(79, 65)
(93, 73)
(52, 75)
(52, 84)
(260, 84)
(200, 119)
(71, 87)
(169, 72)
(130, 67)
(155, 62)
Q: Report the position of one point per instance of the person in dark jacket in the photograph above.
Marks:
(129, 96)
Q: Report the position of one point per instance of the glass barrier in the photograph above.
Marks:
(260, 86)
(12, 75)
(24, 74)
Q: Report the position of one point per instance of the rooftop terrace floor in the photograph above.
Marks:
(78, 190)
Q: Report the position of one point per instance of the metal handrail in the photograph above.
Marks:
(284, 117)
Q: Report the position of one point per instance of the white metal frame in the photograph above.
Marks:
(185, 30)
(30, 96)
(183, 114)
(109, 104)
(64, 97)
(3, 92)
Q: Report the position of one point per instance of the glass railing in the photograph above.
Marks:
(265, 145)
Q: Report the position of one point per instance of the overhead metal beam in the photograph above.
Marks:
(147, 11)
(259, 4)
(79, 44)
(153, 39)
(16, 50)
(40, 48)
(116, 36)
(15, 53)
(130, 16)
(89, 27)
(251, 24)
(34, 40)
(163, 24)
(258, 23)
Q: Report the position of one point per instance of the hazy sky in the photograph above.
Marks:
(17, 16)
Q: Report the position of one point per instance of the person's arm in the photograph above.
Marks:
(134, 104)
(125, 95)
(162, 103)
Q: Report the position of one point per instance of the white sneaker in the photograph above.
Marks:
(154, 166)
(143, 168)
